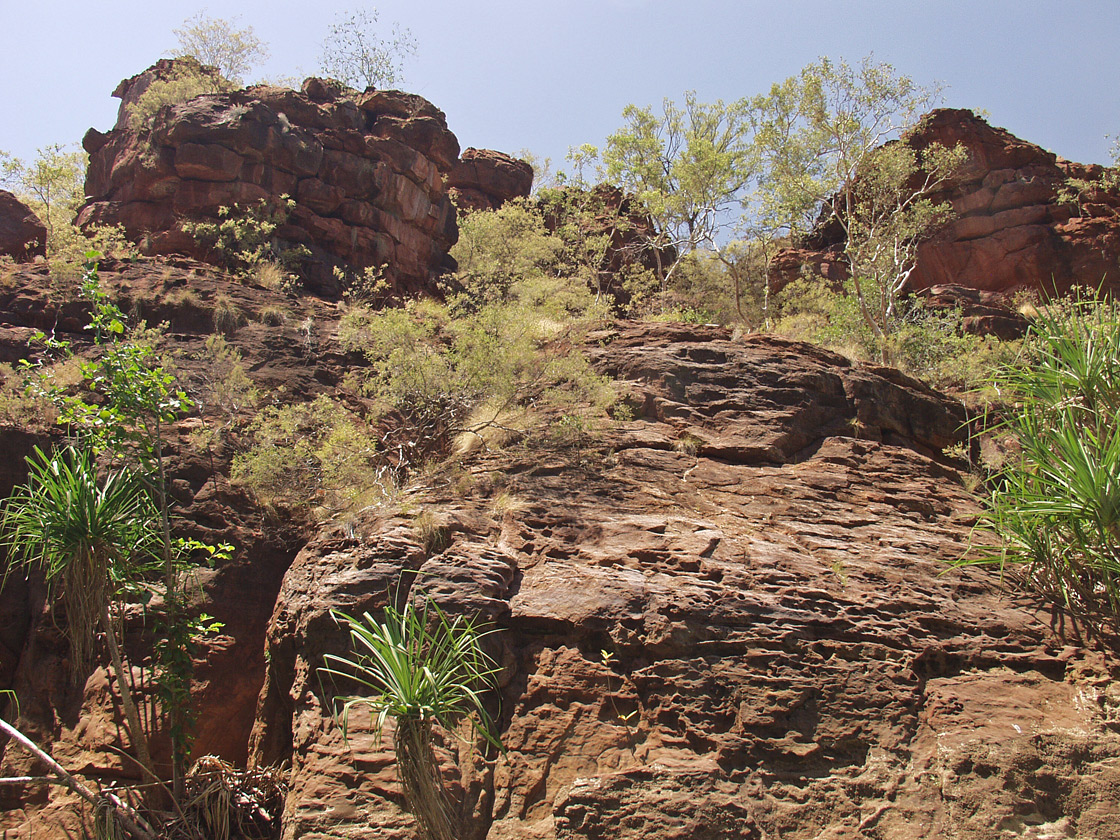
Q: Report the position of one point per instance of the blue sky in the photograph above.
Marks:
(547, 75)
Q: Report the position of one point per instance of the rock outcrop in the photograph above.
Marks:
(366, 171)
(484, 179)
(731, 617)
(22, 234)
(1010, 232)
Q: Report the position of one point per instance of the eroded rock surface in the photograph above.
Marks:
(366, 171)
(729, 617)
(1010, 232)
(484, 179)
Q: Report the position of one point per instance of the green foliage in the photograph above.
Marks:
(52, 185)
(1080, 191)
(689, 166)
(131, 398)
(505, 339)
(317, 453)
(187, 80)
(354, 53)
(420, 668)
(500, 248)
(219, 43)
(244, 240)
(223, 388)
(1057, 507)
(82, 532)
(926, 343)
(820, 138)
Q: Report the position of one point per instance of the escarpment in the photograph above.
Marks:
(367, 172)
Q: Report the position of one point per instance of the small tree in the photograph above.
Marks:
(821, 140)
(690, 166)
(220, 43)
(421, 669)
(136, 400)
(356, 55)
(53, 184)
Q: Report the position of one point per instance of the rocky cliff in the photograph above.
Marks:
(1010, 231)
(730, 616)
(367, 172)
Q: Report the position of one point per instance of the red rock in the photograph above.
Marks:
(364, 164)
(787, 653)
(207, 163)
(1011, 233)
(22, 235)
(484, 179)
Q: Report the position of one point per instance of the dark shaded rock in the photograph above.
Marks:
(22, 235)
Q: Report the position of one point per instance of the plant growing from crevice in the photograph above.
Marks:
(130, 400)
(243, 240)
(1056, 508)
(422, 669)
(84, 534)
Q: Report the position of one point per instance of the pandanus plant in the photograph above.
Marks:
(422, 669)
(83, 533)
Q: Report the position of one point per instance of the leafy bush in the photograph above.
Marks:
(317, 453)
(1057, 507)
(243, 239)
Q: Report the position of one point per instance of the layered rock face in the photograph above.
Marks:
(729, 618)
(484, 179)
(22, 235)
(366, 171)
(1010, 232)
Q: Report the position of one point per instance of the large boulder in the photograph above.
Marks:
(22, 234)
(1010, 232)
(731, 617)
(484, 179)
(366, 171)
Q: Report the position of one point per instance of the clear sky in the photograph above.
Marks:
(546, 75)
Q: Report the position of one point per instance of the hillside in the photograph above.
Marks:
(722, 599)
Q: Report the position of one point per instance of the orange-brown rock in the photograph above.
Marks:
(22, 234)
(730, 617)
(727, 616)
(366, 170)
(484, 179)
(1010, 231)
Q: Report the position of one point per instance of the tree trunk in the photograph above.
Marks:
(132, 716)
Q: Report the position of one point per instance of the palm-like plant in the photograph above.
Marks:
(82, 533)
(420, 669)
(1057, 507)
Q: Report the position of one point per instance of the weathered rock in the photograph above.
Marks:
(982, 313)
(22, 235)
(484, 179)
(1010, 231)
(366, 169)
(731, 617)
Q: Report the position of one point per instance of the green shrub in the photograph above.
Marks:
(317, 454)
(420, 668)
(188, 79)
(243, 239)
(1056, 508)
